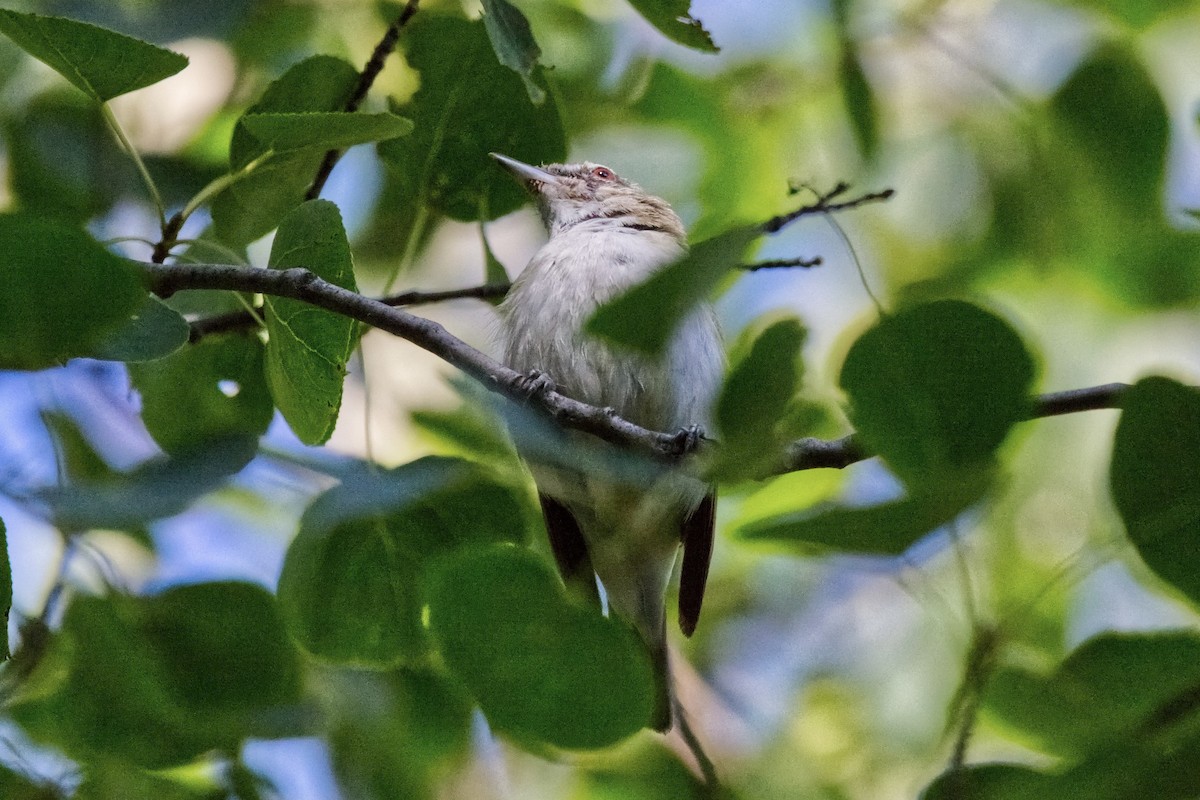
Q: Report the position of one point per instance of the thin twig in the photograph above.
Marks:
(825, 205)
(365, 80)
(782, 263)
(243, 320)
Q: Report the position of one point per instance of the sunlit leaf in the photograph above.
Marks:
(886, 529)
(1154, 479)
(154, 330)
(308, 347)
(254, 205)
(645, 317)
(756, 395)
(98, 61)
(350, 583)
(674, 18)
(334, 130)
(468, 105)
(539, 665)
(935, 388)
(206, 391)
(513, 42)
(42, 325)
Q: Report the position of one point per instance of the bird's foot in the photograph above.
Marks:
(687, 440)
(534, 383)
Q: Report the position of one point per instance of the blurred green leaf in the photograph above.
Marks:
(307, 347)
(757, 393)
(1112, 687)
(255, 204)
(1154, 479)
(935, 388)
(645, 317)
(100, 62)
(153, 331)
(5, 590)
(14, 786)
(859, 99)
(540, 666)
(513, 42)
(161, 487)
(157, 681)
(350, 587)
(993, 782)
(62, 160)
(395, 734)
(41, 324)
(886, 529)
(117, 780)
(674, 19)
(331, 130)
(203, 392)
(468, 106)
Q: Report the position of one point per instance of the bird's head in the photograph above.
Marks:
(571, 194)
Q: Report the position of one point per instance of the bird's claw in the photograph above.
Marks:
(534, 383)
(687, 439)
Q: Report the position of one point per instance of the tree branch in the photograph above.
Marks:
(366, 79)
(301, 284)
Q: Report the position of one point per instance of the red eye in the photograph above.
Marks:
(603, 173)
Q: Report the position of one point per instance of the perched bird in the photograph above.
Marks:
(607, 235)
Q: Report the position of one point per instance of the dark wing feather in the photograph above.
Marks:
(570, 549)
(697, 536)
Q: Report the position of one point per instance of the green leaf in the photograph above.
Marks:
(886, 529)
(757, 393)
(1109, 686)
(468, 106)
(157, 681)
(5, 591)
(859, 100)
(350, 583)
(674, 19)
(102, 63)
(156, 489)
(308, 347)
(1153, 478)
(155, 330)
(63, 161)
(540, 666)
(42, 324)
(203, 392)
(935, 388)
(645, 317)
(993, 782)
(331, 130)
(513, 42)
(254, 205)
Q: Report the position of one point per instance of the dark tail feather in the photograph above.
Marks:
(570, 549)
(696, 532)
(664, 693)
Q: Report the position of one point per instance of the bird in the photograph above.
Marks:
(606, 234)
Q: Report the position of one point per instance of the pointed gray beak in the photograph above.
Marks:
(525, 172)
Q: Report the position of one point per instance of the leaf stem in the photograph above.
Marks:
(115, 126)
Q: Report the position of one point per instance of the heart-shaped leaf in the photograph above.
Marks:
(102, 63)
(539, 665)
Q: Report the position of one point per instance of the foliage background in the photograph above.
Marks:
(1044, 156)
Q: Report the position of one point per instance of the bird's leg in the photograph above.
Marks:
(533, 384)
(687, 440)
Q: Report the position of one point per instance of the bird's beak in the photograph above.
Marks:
(525, 172)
